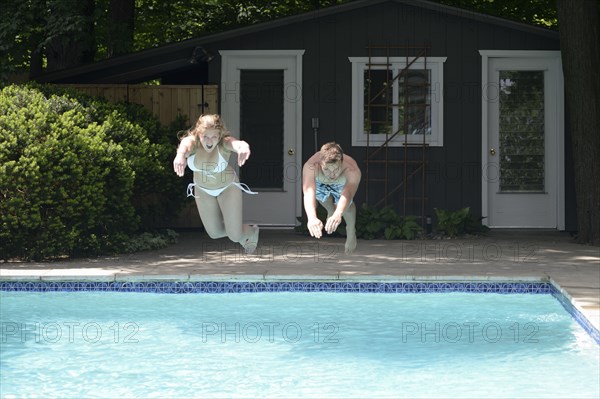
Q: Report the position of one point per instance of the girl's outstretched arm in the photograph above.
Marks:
(185, 146)
(240, 147)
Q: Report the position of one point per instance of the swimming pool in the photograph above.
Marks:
(301, 339)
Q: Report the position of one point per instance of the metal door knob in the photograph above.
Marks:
(291, 151)
(493, 151)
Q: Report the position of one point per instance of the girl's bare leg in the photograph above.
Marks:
(210, 213)
(251, 242)
(230, 202)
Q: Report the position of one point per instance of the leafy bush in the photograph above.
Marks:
(71, 168)
(459, 222)
(385, 223)
(149, 241)
(157, 194)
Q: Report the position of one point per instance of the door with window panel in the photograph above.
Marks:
(523, 161)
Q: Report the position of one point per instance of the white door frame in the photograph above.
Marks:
(232, 61)
(558, 119)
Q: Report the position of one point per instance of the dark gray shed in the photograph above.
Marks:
(474, 104)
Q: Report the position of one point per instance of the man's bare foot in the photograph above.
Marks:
(350, 243)
(251, 242)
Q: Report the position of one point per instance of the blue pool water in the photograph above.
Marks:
(292, 344)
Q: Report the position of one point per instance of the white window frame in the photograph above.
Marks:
(436, 67)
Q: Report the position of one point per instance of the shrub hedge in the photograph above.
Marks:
(76, 172)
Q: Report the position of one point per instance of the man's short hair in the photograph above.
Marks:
(331, 152)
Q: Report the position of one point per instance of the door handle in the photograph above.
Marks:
(291, 151)
(492, 151)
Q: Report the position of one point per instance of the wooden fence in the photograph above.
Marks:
(166, 102)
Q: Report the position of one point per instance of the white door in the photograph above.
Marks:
(523, 163)
(261, 102)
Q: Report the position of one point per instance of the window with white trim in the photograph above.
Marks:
(389, 99)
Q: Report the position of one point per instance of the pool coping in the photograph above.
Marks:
(261, 277)
(561, 294)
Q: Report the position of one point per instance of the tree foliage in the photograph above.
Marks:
(534, 12)
(46, 35)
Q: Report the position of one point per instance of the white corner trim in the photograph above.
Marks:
(261, 52)
(519, 53)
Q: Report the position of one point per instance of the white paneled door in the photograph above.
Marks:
(261, 102)
(523, 165)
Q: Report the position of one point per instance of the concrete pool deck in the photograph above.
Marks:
(283, 254)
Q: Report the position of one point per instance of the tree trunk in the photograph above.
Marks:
(68, 49)
(121, 27)
(36, 65)
(580, 48)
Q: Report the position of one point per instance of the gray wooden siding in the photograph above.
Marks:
(454, 171)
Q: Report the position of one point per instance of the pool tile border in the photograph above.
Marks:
(218, 286)
(222, 287)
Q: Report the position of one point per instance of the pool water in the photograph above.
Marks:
(292, 344)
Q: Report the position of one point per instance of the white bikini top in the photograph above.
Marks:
(220, 166)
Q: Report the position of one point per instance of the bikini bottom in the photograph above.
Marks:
(217, 191)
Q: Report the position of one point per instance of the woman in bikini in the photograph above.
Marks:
(207, 147)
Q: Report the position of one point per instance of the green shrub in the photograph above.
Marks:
(150, 240)
(459, 222)
(70, 168)
(372, 223)
(158, 194)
